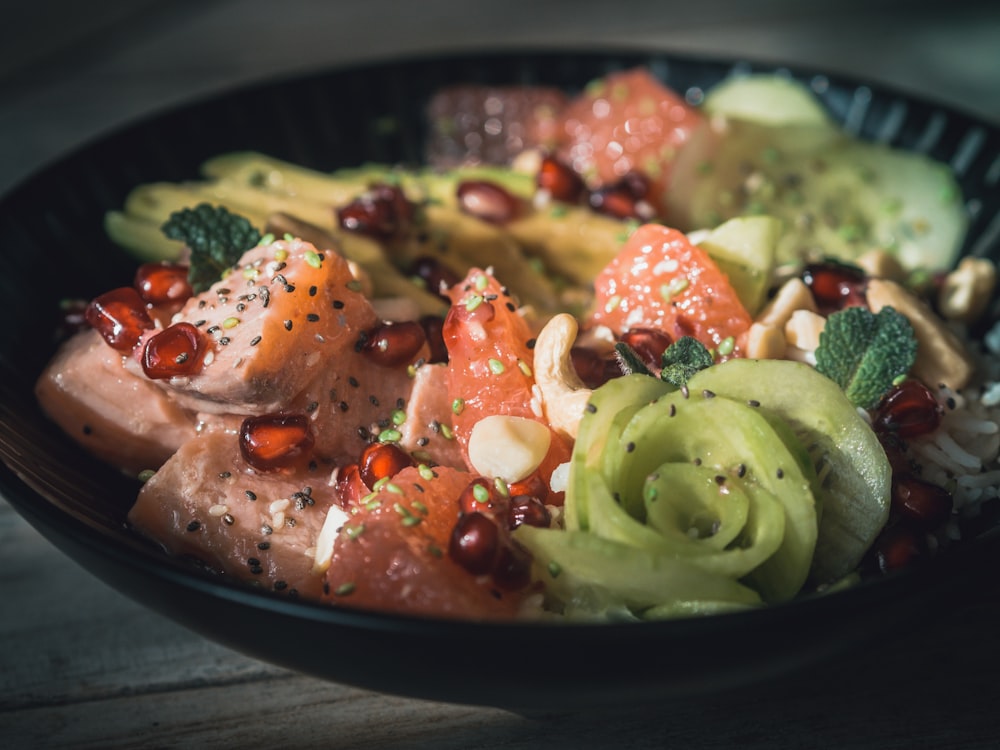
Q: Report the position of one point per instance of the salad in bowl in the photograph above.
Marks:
(622, 354)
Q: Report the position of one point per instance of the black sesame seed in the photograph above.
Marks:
(266, 530)
(200, 323)
(530, 343)
(87, 429)
(228, 519)
(697, 462)
(280, 277)
(685, 392)
(373, 400)
(312, 290)
(194, 525)
(225, 474)
(672, 411)
(510, 306)
(753, 402)
(288, 325)
(312, 406)
(241, 307)
(708, 394)
(312, 317)
(720, 479)
(343, 406)
(353, 381)
(225, 340)
(338, 305)
(630, 447)
(251, 561)
(254, 341)
(212, 329)
(265, 296)
(263, 545)
(251, 495)
(741, 470)
(422, 441)
(780, 473)
(280, 585)
(256, 570)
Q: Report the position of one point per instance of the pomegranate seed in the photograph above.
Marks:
(512, 569)
(120, 317)
(532, 485)
(474, 543)
(382, 461)
(435, 274)
(173, 352)
(74, 317)
(163, 283)
(908, 410)
(897, 548)
(393, 344)
(480, 496)
(649, 344)
(275, 441)
(835, 286)
(527, 509)
(593, 369)
(624, 199)
(433, 326)
(925, 505)
(560, 181)
(487, 201)
(383, 212)
(350, 489)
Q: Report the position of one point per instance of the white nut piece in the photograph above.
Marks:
(793, 295)
(564, 395)
(765, 342)
(508, 447)
(941, 356)
(323, 551)
(882, 265)
(967, 290)
(803, 329)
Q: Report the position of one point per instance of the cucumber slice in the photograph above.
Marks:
(836, 196)
(853, 472)
(768, 99)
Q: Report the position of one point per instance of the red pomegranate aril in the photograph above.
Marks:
(394, 344)
(433, 326)
(275, 441)
(474, 543)
(480, 496)
(624, 199)
(487, 201)
(120, 317)
(529, 510)
(435, 275)
(897, 548)
(350, 488)
(163, 283)
(649, 344)
(512, 569)
(921, 503)
(592, 368)
(173, 352)
(382, 213)
(908, 410)
(532, 485)
(560, 181)
(382, 461)
(835, 286)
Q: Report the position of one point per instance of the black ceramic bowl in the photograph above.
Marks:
(54, 247)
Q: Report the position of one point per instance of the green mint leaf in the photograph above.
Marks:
(682, 359)
(865, 353)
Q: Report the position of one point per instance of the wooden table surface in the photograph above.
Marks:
(82, 666)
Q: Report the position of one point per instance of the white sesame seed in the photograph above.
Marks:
(216, 511)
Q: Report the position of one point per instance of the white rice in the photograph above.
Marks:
(963, 456)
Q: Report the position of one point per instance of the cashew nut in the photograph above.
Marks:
(803, 329)
(765, 342)
(941, 357)
(967, 290)
(882, 265)
(564, 395)
(793, 295)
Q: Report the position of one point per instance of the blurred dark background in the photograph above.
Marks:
(70, 70)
